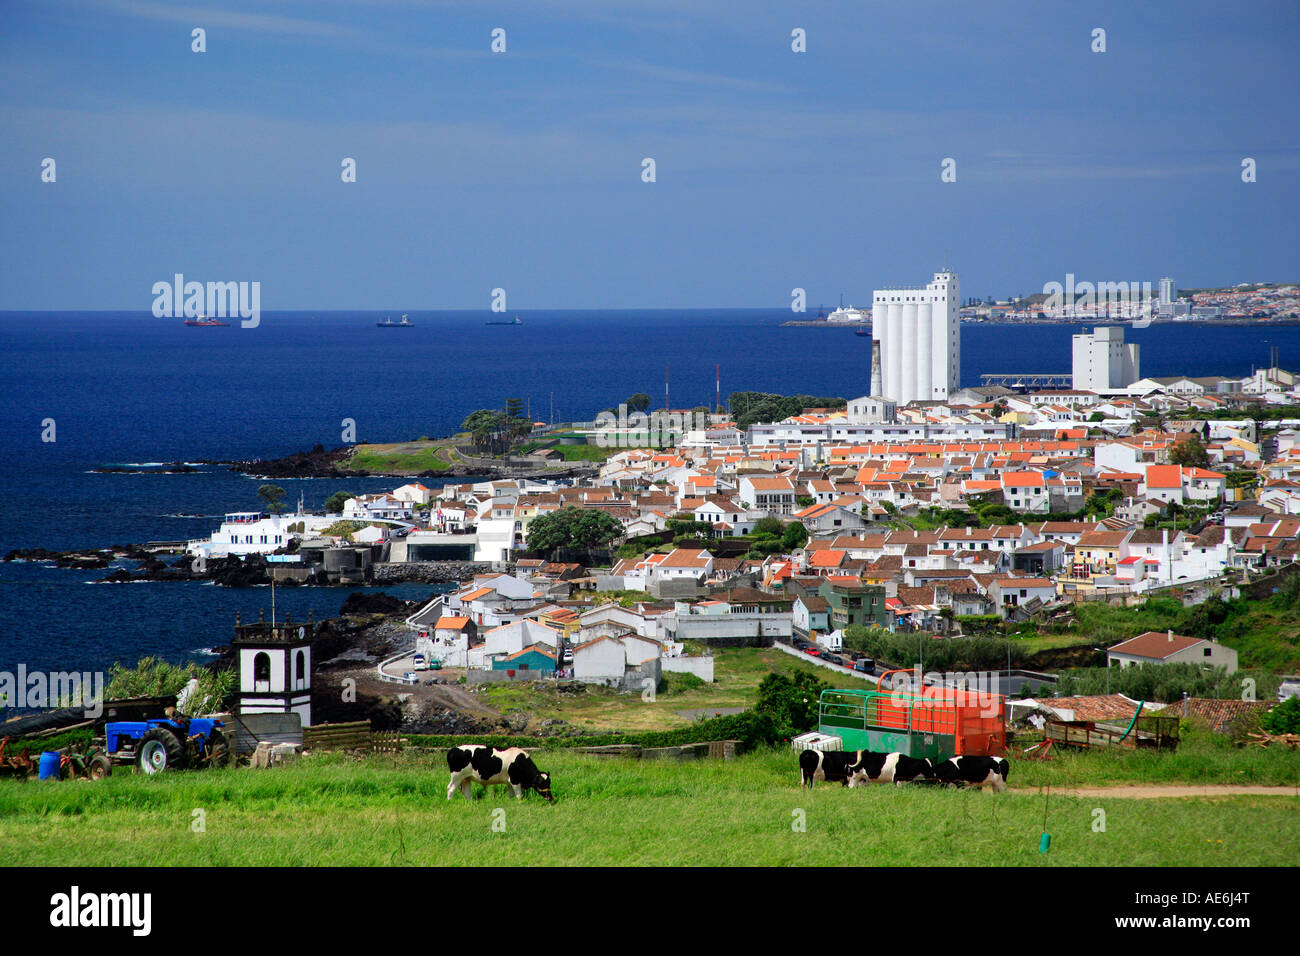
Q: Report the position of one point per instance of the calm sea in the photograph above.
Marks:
(128, 388)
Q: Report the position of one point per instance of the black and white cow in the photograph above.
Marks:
(488, 765)
(895, 768)
(975, 772)
(830, 766)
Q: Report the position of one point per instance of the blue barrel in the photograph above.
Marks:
(49, 766)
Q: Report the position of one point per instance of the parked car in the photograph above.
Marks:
(813, 651)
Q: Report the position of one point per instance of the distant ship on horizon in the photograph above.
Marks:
(388, 323)
(516, 321)
(204, 320)
(843, 315)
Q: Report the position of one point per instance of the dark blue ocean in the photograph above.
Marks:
(129, 388)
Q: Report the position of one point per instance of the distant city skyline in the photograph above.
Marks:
(1170, 153)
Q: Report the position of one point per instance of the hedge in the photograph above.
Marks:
(753, 729)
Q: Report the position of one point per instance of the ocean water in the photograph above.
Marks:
(129, 388)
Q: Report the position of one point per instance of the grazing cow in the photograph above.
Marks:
(975, 772)
(895, 768)
(829, 766)
(488, 765)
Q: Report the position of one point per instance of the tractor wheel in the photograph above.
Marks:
(160, 750)
(218, 749)
(99, 766)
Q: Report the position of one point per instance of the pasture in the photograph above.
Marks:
(391, 810)
(738, 672)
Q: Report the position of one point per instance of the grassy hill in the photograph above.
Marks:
(403, 458)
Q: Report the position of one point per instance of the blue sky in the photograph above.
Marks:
(522, 170)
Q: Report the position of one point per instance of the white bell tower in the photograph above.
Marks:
(274, 663)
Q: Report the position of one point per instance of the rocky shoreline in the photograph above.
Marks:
(251, 571)
(321, 463)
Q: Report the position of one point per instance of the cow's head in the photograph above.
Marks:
(927, 771)
(543, 786)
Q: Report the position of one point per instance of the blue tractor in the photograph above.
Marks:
(167, 743)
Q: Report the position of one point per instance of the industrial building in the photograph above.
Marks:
(918, 335)
(1102, 362)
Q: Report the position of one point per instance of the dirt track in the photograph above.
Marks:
(1169, 790)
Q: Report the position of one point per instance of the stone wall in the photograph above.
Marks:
(429, 572)
(497, 677)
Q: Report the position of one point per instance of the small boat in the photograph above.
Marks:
(861, 332)
(388, 323)
(204, 320)
(506, 321)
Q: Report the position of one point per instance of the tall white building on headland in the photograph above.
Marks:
(1102, 362)
(918, 334)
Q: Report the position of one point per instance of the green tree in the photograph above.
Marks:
(794, 536)
(1284, 718)
(790, 701)
(572, 527)
(640, 402)
(768, 527)
(341, 529)
(514, 408)
(335, 502)
(273, 496)
(1190, 453)
(484, 426)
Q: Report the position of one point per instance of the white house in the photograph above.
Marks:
(414, 494)
(599, 660)
(1154, 647)
(365, 507)
(514, 637)
(245, 532)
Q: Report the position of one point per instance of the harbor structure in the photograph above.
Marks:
(919, 335)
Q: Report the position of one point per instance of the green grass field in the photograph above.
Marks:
(392, 810)
(738, 671)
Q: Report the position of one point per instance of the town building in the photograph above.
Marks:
(919, 336)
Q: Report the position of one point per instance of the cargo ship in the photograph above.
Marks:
(388, 323)
(506, 321)
(204, 320)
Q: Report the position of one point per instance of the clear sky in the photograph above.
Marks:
(523, 169)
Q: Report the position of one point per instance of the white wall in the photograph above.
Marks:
(701, 667)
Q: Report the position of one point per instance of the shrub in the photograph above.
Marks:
(791, 702)
(1284, 718)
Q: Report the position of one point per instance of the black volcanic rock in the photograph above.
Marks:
(234, 573)
(316, 463)
(360, 603)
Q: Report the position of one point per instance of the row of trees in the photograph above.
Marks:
(951, 654)
(749, 408)
(496, 430)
